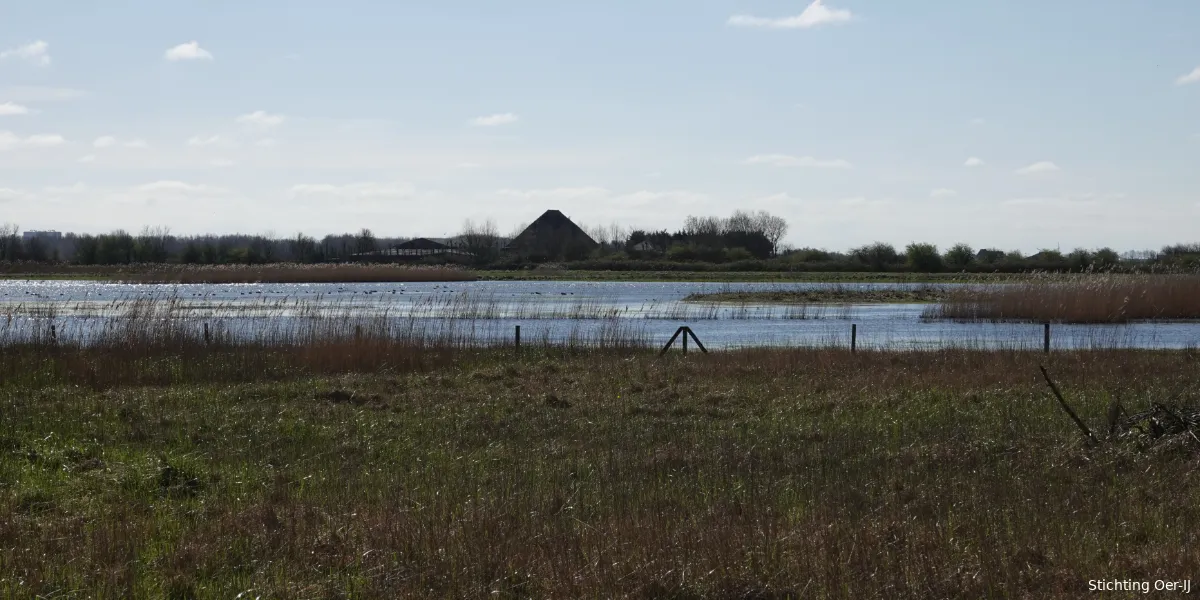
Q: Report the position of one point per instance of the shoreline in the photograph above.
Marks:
(826, 296)
(289, 273)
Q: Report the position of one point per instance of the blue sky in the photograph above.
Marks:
(854, 119)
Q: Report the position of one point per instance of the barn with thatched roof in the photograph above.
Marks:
(552, 237)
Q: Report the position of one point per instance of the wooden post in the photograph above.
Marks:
(853, 338)
(1046, 341)
(672, 340)
(697, 340)
(53, 334)
(517, 340)
(685, 337)
(207, 338)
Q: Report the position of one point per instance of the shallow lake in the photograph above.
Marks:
(557, 310)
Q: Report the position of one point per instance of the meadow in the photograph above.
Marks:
(155, 463)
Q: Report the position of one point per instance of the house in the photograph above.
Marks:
(42, 236)
(552, 236)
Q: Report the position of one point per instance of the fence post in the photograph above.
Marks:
(853, 338)
(53, 335)
(207, 338)
(1046, 340)
(685, 337)
(517, 340)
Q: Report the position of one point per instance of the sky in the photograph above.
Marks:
(1008, 124)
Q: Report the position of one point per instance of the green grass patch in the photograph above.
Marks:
(765, 474)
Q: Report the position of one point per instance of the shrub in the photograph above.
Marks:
(878, 256)
(923, 258)
(959, 256)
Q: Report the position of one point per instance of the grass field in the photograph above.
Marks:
(349, 470)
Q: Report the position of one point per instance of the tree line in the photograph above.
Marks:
(743, 240)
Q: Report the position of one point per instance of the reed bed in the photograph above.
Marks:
(1077, 299)
(466, 305)
(836, 294)
(294, 273)
(170, 322)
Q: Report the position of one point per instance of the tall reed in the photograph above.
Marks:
(1076, 299)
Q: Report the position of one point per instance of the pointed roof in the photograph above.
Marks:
(551, 232)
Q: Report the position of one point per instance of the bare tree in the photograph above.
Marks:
(703, 226)
(617, 234)
(364, 242)
(598, 233)
(10, 244)
(771, 226)
(742, 222)
(518, 230)
(480, 240)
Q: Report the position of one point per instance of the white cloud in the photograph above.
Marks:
(188, 51)
(261, 119)
(973, 162)
(212, 140)
(180, 187)
(978, 121)
(109, 141)
(12, 141)
(78, 188)
(9, 109)
(90, 158)
(563, 193)
(222, 162)
(1192, 77)
(784, 160)
(1044, 166)
(266, 143)
(495, 120)
(364, 190)
(9, 194)
(943, 193)
(35, 53)
(45, 141)
(816, 14)
(34, 93)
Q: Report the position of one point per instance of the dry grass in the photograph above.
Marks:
(468, 473)
(339, 456)
(834, 294)
(1077, 299)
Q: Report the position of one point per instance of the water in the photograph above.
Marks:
(488, 311)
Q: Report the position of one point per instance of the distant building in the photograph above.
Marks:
(413, 249)
(42, 236)
(552, 237)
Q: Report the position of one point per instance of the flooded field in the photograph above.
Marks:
(488, 313)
